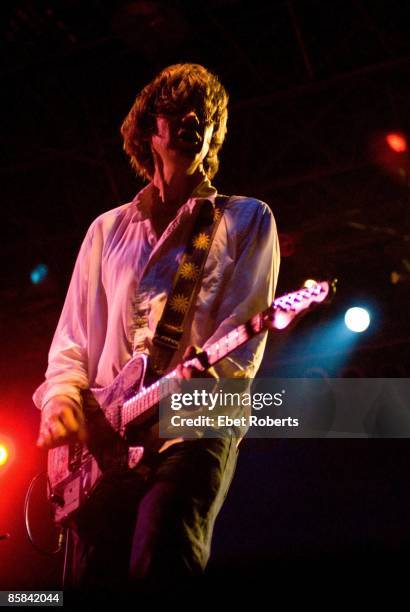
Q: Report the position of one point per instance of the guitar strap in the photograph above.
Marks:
(186, 283)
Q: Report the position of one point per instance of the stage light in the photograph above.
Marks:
(38, 274)
(399, 277)
(4, 454)
(357, 319)
(397, 142)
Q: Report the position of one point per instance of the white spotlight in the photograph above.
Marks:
(357, 319)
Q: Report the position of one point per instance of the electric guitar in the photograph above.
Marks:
(75, 471)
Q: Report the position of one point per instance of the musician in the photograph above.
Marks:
(122, 278)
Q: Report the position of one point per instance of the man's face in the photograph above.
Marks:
(181, 140)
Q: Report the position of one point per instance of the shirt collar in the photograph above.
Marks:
(143, 200)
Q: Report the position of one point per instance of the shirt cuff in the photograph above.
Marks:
(46, 392)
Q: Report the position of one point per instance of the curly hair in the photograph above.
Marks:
(175, 89)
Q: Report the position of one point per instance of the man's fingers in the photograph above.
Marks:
(71, 420)
(54, 439)
(64, 426)
(49, 437)
(43, 441)
(192, 370)
(197, 370)
(57, 429)
(190, 352)
(187, 373)
(48, 442)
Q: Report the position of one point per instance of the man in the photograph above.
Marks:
(121, 281)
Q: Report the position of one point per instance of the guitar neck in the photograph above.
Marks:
(278, 316)
(234, 339)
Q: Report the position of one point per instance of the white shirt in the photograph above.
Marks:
(124, 272)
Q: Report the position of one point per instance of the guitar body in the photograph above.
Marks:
(76, 470)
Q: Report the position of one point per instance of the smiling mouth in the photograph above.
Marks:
(188, 135)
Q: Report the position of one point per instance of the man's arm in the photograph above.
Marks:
(59, 396)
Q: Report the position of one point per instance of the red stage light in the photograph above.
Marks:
(397, 142)
(4, 454)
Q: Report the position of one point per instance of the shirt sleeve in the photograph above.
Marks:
(250, 290)
(67, 371)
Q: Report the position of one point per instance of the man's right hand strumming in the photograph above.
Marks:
(62, 422)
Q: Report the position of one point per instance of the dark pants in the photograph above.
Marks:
(160, 521)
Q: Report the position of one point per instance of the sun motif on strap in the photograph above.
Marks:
(189, 271)
(179, 303)
(201, 241)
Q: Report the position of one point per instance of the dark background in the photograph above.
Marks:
(315, 87)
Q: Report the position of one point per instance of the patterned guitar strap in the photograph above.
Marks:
(186, 284)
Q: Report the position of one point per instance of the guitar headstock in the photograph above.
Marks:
(287, 307)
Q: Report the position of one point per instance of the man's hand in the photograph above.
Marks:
(62, 422)
(192, 372)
